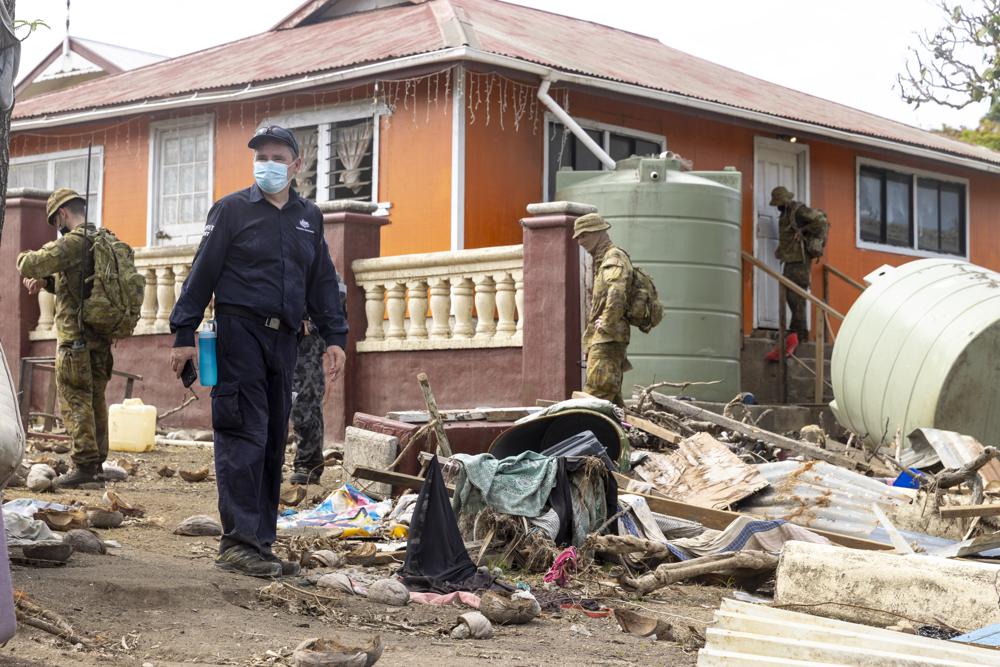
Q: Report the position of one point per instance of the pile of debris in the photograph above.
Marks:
(631, 501)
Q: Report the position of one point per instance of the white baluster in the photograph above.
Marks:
(440, 308)
(396, 307)
(180, 275)
(506, 307)
(417, 304)
(147, 314)
(519, 299)
(164, 297)
(374, 311)
(47, 312)
(486, 301)
(461, 302)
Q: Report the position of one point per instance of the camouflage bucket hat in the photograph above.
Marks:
(592, 222)
(781, 195)
(57, 199)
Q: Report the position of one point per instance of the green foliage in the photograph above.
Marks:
(31, 26)
(987, 134)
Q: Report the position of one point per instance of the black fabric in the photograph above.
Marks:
(436, 557)
(561, 498)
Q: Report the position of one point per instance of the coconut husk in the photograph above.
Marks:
(194, 475)
(166, 471)
(504, 610)
(324, 558)
(293, 495)
(391, 592)
(362, 554)
(101, 518)
(199, 525)
(117, 503)
(54, 552)
(331, 653)
(63, 520)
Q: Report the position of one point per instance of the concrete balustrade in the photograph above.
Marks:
(473, 299)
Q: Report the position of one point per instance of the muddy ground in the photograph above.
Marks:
(158, 600)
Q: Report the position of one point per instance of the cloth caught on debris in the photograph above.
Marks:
(348, 510)
(743, 534)
(24, 531)
(638, 519)
(702, 472)
(563, 566)
(518, 485)
(436, 557)
(585, 495)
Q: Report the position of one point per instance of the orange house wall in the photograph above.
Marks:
(712, 144)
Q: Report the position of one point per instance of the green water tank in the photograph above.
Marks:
(683, 228)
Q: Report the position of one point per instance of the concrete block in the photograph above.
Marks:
(371, 450)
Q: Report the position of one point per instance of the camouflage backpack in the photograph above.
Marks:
(644, 310)
(115, 293)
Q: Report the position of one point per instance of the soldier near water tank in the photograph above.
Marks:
(801, 239)
(83, 359)
(606, 338)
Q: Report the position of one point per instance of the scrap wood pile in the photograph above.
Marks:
(584, 505)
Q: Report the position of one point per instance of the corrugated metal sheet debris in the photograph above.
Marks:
(953, 450)
(753, 634)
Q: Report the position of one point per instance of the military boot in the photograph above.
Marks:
(81, 477)
(289, 568)
(306, 477)
(244, 560)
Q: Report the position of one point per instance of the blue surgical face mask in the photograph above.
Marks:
(271, 176)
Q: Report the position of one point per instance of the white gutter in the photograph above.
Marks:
(450, 55)
(567, 120)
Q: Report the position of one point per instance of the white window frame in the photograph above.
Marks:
(152, 195)
(606, 129)
(322, 119)
(914, 174)
(52, 158)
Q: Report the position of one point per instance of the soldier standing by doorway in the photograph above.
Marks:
(802, 235)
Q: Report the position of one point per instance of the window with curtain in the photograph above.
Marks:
(338, 157)
(66, 169)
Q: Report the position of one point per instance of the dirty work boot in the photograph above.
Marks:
(289, 568)
(305, 477)
(81, 477)
(244, 560)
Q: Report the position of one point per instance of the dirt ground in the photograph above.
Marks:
(158, 600)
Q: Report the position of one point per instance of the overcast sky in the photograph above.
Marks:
(849, 51)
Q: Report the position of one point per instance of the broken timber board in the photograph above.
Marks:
(720, 519)
(655, 430)
(394, 478)
(797, 446)
(992, 509)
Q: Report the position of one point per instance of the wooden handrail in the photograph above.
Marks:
(843, 276)
(788, 284)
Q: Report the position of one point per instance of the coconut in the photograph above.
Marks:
(391, 592)
(331, 653)
(85, 541)
(520, 608)
(199, 525)
(101, 518)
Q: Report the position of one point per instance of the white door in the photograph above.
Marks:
(777, 163)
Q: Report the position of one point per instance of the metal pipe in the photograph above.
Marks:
(567, 120)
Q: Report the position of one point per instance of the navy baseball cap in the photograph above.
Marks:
(274, 133)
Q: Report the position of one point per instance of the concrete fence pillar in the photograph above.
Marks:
(551, 314)
(351, 232)
(25, 228)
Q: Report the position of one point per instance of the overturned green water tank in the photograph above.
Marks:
(683, 228)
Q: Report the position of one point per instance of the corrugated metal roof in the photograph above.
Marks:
(753, 634)
(494, 27)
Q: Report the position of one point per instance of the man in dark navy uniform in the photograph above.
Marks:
(264, 257)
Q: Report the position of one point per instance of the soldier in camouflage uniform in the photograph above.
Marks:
(83, 360)
(796, 222)
(307, 409)
(606, 338)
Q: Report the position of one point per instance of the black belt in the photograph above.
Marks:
(247, 314)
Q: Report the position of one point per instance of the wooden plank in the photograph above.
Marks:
(788, 284)
(990, 509)
(820, 387)
(394, 478)
(443, 447)
(720, 519)
(654, 429)
(797, 446)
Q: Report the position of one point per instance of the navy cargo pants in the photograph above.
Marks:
(250, 407)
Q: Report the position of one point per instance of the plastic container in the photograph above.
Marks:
(683, 228)
(131, 426)
(208, 372)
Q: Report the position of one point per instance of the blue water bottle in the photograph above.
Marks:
(208, 371)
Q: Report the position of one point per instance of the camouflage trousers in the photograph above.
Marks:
(307, 410)
(799, 273)
(81, 378)
(606, 364)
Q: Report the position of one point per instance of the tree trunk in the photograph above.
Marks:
(5, 144)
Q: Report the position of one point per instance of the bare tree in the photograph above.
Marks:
(958, 64)
(5, 143)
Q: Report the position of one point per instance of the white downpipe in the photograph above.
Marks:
(574, 127)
